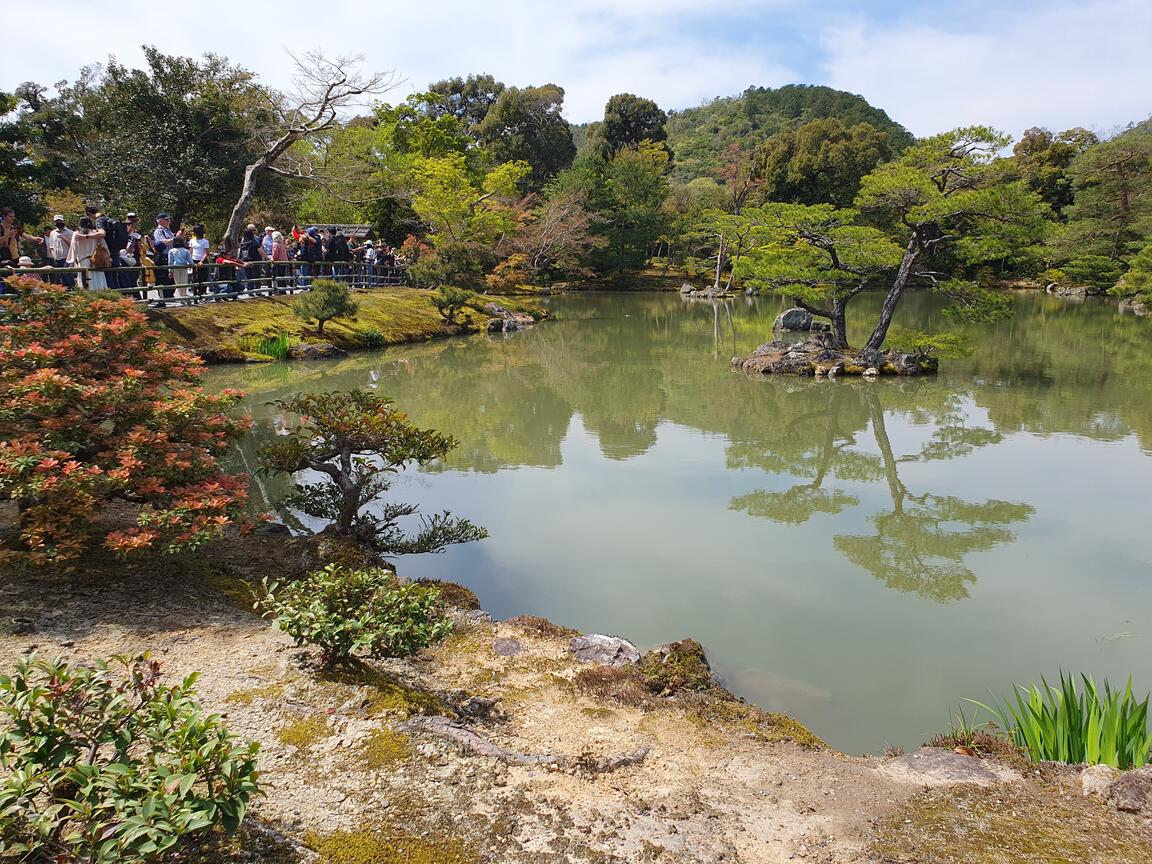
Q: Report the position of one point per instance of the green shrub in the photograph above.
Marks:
(1093, 271)
(326, 300)
(106, 765)
(449, 301)
(372, 340)
(1062, 724)
(343, 611)
(945, 345)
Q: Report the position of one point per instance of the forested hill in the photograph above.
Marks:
(700, 136)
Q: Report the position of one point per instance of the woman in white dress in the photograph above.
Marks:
(85, 241)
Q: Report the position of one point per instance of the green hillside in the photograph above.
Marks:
(698, 136)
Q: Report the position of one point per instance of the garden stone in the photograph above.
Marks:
(606, 650)
(1097, 779)
(508, 647)
(1132, 792)
(792, 320)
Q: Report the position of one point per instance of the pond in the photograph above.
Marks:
(860, 555)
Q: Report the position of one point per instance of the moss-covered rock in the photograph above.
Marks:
(454, 595)
(676, 667)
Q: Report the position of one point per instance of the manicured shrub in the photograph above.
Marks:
(359, 441)
(95, 408)
(104, 765)
(343, 612)
(1067, 724)
(326, 300)
(449, 301)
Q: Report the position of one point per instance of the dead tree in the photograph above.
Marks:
(324, 90)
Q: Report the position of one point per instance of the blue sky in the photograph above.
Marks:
(932, 66)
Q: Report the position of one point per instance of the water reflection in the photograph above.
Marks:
(918, 544)
(805, 532)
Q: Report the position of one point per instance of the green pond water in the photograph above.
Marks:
(860, 555)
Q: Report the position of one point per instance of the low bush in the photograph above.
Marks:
(104, 764)
(346, 611)
(1072, 725)
(372, 340)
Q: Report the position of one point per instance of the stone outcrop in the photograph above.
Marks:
(793, 320)
(606, 650)
(1127, 791)
(816, 356)
(1135, 307)
(505, 320)
(315, 351)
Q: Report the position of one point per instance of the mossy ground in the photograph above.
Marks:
(225, 331)
(384, 748)
(247, 697)
(387, 846)
(303, 732)
(380, 693)
(1019, 824)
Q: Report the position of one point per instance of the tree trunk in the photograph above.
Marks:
(839, 322)
(911, 254)
(719, 263)
(243, 205)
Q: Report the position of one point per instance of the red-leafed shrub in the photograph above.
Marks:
(95, 408)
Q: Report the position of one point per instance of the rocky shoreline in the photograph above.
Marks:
(525, 741)
(815, 356)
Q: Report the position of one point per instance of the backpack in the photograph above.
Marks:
(117, 235)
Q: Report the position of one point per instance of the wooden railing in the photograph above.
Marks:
(155, 284)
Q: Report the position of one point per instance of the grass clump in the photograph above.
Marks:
(620, 684)
(387, 847)
(1076, 725)
(304, 732)
(276, 347)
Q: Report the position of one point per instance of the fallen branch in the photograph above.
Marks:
(473, 742)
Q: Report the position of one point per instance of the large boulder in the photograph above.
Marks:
(605, 650)
(315, 351)
(793, 320)
(1132, 791)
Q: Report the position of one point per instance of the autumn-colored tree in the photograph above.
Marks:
(95, 408)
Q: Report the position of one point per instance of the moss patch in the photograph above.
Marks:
(387, 847)
(384, 695)
(1018, 824)
(304, 732)
(456, 596)
(220, 332)
(247, 697)
(386, 747)
(764, 725)
(676, 667)
(542, 627)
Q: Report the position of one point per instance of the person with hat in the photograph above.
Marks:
(162, 239)
(58, 242)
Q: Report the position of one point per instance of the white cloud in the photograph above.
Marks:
(1058, 65)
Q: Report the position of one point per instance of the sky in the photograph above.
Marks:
(932, 66)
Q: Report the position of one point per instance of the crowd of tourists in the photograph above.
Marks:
(102, 252)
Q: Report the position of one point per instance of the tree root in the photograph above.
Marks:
(473, 742)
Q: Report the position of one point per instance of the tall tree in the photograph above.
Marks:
(1043, 160)
(525, 124)
(467, 99)
(1112, 211)
(820, 162)
(630, 119)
